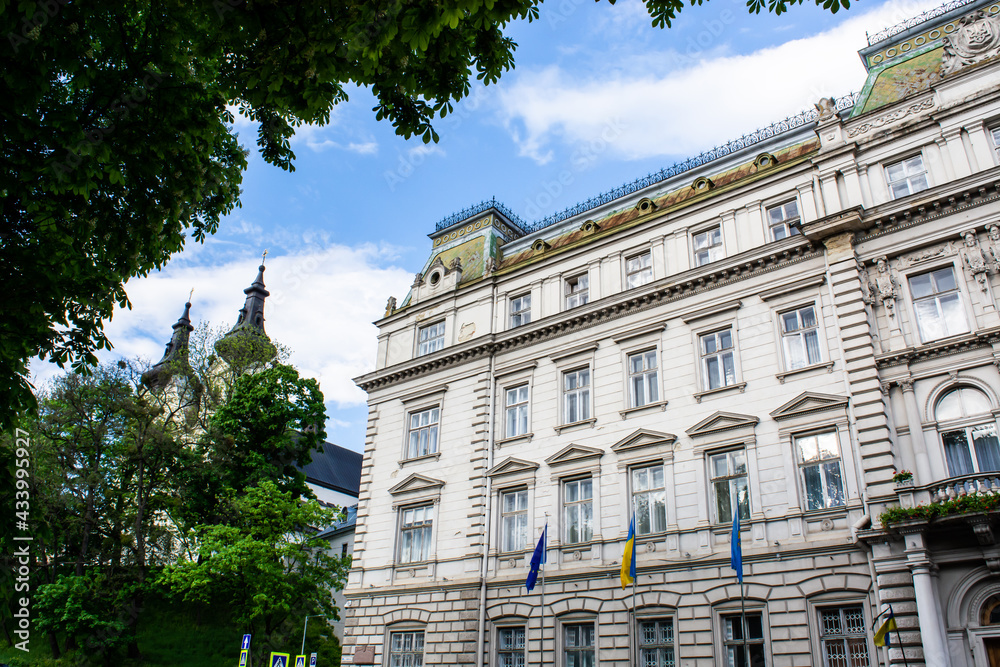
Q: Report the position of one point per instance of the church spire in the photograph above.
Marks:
(247, 341)
(175, 357)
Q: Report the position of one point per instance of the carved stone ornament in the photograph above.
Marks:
(994, 248)
(977, 38)
(456, 264)
(390, 306)
(827, 107)
(974, 260)
(885, 287)
(942, 250)
(866, 287)
(489, 266)
(418, 280)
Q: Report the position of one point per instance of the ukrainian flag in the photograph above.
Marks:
(882, 637)
(628, 558)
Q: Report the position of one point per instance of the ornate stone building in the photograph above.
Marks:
(773, 329)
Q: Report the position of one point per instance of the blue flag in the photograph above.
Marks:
(737, 558)
(537, 559)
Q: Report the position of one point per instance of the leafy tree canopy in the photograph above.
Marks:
(118, 139)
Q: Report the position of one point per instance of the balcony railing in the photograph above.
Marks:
(953, 488)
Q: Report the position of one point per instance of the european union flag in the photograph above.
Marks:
(537, 559)
(737, 551)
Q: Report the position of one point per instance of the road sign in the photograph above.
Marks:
(300, 661)
(244, 658)
(246, 642)
(312, 660)
(279, 660)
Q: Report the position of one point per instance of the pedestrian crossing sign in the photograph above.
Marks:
(300, 661)
(279, 660)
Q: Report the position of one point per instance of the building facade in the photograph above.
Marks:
(773, 331)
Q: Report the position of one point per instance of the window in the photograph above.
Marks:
(520, 310)
(510, 647)
(649, 500)
(578, 507)
(415, 534)
(430, 339)
(423, 439)
(843, 637)
(718, 366)
(995, 133)
(576, 396)
(906, 177)
(638, 270)
(406, 649)
(578, 645)
(577, 290)
(937, 304)
(343, 549)
(819, 459)
(729, 485)
(516, 407)
(800, 338)
(642, 381)
(968, 448)
(514, 520)
(708, 246)
(781, 219)
(739, 653)
(656, 643)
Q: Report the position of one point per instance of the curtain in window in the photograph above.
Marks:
(956, 452)
(984, 438)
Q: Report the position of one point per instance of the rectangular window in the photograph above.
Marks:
(708, 246)
(656, 643)
(740, 653)
(576, 396)
(578, 645)
(843, 637)
(649, 500)
(819, 459)
(718, 365)
(638, 270)
(642, 378)
(972, 449)
(906, 177)
(520, 310)
(577, 290)
(510, 647)
(423, 437)
(430, 339)
(729, 485)
(780, 220)
(995, 133)
(514, 520)
(800, 338)
(516, 407)
(343, 549)
(937, 303)
(415, 534)
(578, 509)
(406, 649)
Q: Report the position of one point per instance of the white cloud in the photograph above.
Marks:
(686, 105)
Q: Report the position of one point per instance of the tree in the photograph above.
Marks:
(118, 139)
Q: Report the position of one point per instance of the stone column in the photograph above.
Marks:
(923, 472)
(932, 636)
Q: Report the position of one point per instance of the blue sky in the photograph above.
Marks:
(598, 98)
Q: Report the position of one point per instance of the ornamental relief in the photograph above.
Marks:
(891, 117)
(977, 38)
(934, 252)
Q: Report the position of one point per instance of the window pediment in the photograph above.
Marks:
(416, 483)
(722, 421)
(643, 439)
(809, 402)
(512, 466)
(573, 454)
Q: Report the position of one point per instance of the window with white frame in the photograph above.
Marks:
(800, 338)
(906, 177)
(638, 270)
(743, 644)
(937, 303)
(822, 478)
(649, 500)
(516, 410)
(718, 363)
(520, 310)
(656, 642)
(968, 432)
(510, 646)
(415, 531)
(422, 439)
(578, 510)
(514, 520)
(577, 290)
(708, 246)
(643, 385)
(843, 637)
(578, 645)
(406, 649)
(430, 339)
(995, 133)
(576, 396)
(782, 219)
(729, 485)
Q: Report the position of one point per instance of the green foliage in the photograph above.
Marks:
(960, 505)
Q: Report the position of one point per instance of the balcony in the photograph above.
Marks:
(967, 499)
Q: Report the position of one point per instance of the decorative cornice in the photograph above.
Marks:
(891, 117)
(932, 350)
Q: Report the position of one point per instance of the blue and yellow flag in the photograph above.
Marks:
(628, 558)
(882, 637)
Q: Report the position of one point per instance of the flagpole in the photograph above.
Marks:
(902, 649)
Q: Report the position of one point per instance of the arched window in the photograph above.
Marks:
(968, 432)
(990, 613)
